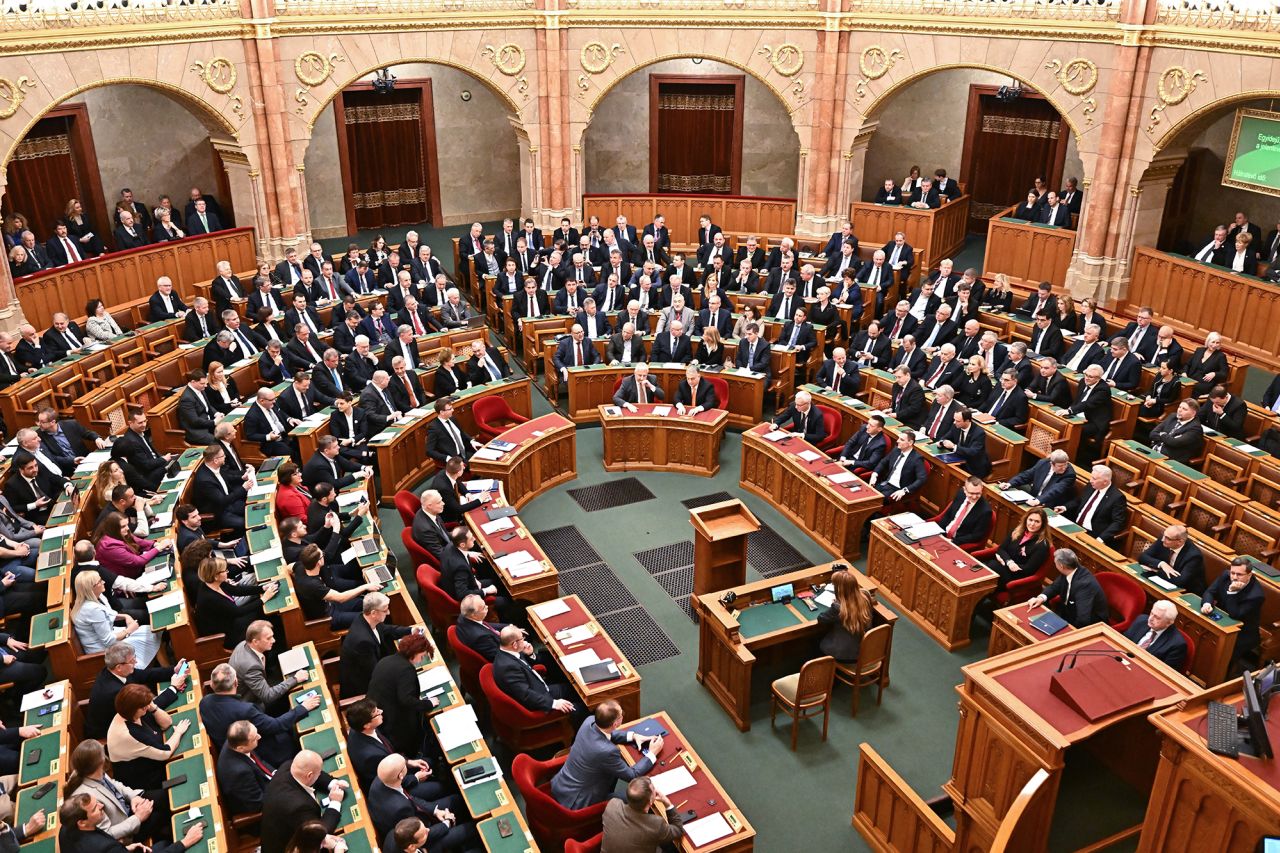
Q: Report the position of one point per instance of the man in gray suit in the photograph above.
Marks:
(632, 826)
(196, 417)
(637, 388)
(249, 660)
(595, 764)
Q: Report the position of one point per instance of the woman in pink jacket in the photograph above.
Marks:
(119, 551)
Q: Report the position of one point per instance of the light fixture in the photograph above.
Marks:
(697, 60)
(466, 95)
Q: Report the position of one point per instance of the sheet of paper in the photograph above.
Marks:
(497, 526)
(673, 781)
(294, 660)
(433, 677)
(417, 413)
(266, 555)
(1017, 495)
(348, 555)
(60, 530)
(809, 455)
(662, 411)
(457, 727)
(164, 602)
(842, 477)
(515, 558)
(776, 435)
(318, 419)
(155, 576)
(921, 531)
(548, 609)
(525, 570)
(351, 497)
(578, 660)
(826, 598)
(488, 454)
(45, 695)
(574, 635)
(1249, 448)
(906, 519)
(1058, 521)
(481, 485)
(707, 829)
(262, 490)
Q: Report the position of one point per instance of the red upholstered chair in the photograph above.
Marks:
(972, 547)
(722, 391)
(911, 503)
(617, 383)
(493, 416)
(832, 420)
(519, 728)
(591, 845)
(417, 554)
(1191, 651)
(1022, 589)
(407, 504)
(442, 609)
(1125, 598)
(553, 826)
(470, 662)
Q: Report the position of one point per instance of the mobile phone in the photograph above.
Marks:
(305, 696)
(172, 783)
(33, 757)
(508, 537)
(55, 622)
(49, 709)
(39, 792)
(328, 753)
(504, 827)
(183, 666)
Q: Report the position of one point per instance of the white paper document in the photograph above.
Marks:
(458, 726)
(164, 602)
(1058, 521)
(925, 530)
(497, 525)
(156, 576)
(576, 661)
(1162, 583)
(506, 561)
(906, 519)
(662, 411)
(574, 635)
(842, 478)
(548, 609)
(433, 677)
(488, 454)
(525, 570)
(707, 829)
(481, 485)
(809, 455)
(266, 555)
(1017, 495)
(44, 696)
(294, 660)
(673, 781)
(776, 435)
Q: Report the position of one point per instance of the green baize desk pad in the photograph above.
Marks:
(765, 618)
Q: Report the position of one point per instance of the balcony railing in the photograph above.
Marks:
(1077, 10)
(66, 14)
(370, 7)
(1241, 15)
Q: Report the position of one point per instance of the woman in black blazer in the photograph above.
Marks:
(218, 612)
(1087, 314)
(824, 313)
(847, 620)
(1029, 210)
(711, 352)
(1024, 550)
(448, 378)
(221, 393)
(1162, 394)
(393, 686)
(974, 386)
(998, 296)
(1208, 365)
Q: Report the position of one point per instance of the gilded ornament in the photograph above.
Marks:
(1174, 86)
(596, 57)
(313, 68)
(583, 83)
(13, 94)
(237, 106)
(507, 58)
(300, 97)
(219, 74)
(1078, 76)
(875, 63)
(786, 59)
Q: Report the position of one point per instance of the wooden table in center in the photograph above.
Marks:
(646, 440)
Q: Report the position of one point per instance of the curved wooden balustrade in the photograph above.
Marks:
(738, 213)
(934, 234)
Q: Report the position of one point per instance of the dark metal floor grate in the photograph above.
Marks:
(598, 587)
(666, 557)
(567, 548)
(678, 582)
(614, 493)
(771, 555)
(714, 498)
(686, 604)
(639, 637)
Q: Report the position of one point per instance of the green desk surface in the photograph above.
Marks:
(1142, 449)
(189, 737)
(50, 746)
(167, 617)
(186, 698)
(1069, 528)
(52, 717)
(167, 503)
(765, 618)
(48, 628)
(282, 599)
(319, 716)
(516, 842)
(46, 845)
(309, 651)
(261, 538)
(350, 810)
(321, 741)
(1196, 602)
(486, 797)
(359, 841)
(1185, 470)
(1005, 433)
(182, 822)
(364, 528)
(196, 787)
(257, 514)
(460, 753)
(28, 805)
(53, 543)
(446, 698)
(269, 569)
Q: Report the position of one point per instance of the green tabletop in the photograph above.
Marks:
(269, 569)
(323, 740)
(51, 717)
(363, 529)
(317, 717)
(189, 737)
(196, 787)
(486, 797)
(48, 628)
(1185, 470)
(1235, 442)
(349, 811)
(166, 618)
(167, 503)
(1069, 528)
(766, 618)
(282, 599)
(257, 514)
(182, 822)
(516, 842)
(1005, 433)
(28, 805)
(1140, 448)
(50, 745)
(359, 841)
(53, 543)
(1195, 602)
(186, 698)
(459, 753)
(46, 845)
(261, 538)
(445, 696)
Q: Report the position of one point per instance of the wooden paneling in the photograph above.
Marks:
(934, 234)
(747, 214)
(1031, 253)
(890, 816)
(1195, 297)
(118, 278)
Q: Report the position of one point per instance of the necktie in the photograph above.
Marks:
(1045, 482)
(302, 403)
(836, 376)
(937, 421)
(1087, 390)
(785, 308)
(204, 222)
(204, 328)
(640, 393)
(934, 378)
(454, 434)
(1111, 368)
(71, 339)
(337, 380)
(249, 348)
(795, 333)
(897, 327)
(1088, 508)
(608, 300)
(533, 309)
(751, 356)
(577, 354)
(1004, 395)
(1147, 640)
(261, 765)
(1135, 337)
(119, 797)
(417, 323)
(72, 254)
(494, 373)
(413, 398)
(35, 489)
(959, 519)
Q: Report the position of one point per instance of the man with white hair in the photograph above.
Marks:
(838, 374)
(453, 314)
(1176, 559)
(264, 426)
(637, 388)
(1050, 482)
(1093, 400)
(299, 791)
(677, 312)
(376, 402)
(1081, 601)
(1100, 509)
(164, 304)
(944, 369)
(1157, 633)
(574, 351)
(673, 345)
(626, 346)
(804, 418)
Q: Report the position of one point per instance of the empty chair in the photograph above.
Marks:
(803, 694)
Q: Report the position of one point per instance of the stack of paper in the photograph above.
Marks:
(488, 454)
(318, 419)
(574, 635)
(662, 411)
(520, 564)
(906, 519)
(155, 576)
(417, 413)
(294, 660)
(776, 435)
(44, 696)
(436, 676)
(457, 727)
(842, 477)
(925, 530)
(705, 830)
(1017, 495)
(352, 497)
(809, 455)
(481, 485)
(265, 556)
(548, 609)
(497, 526)
(578, 660)
(162, 603)
(1058, 521)
(673, 781)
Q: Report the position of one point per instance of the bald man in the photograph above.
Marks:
(389, 803)
(299, 791)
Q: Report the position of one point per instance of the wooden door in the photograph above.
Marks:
(53, 164)
(695, 133)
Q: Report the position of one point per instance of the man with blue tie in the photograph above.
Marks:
(753, 353)
(798, 335)
(1008, 403)
(486, 364)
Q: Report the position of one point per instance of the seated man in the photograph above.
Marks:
(242, 774)
(516, 677)
(967, 520)
(1179, 436)
(449, 484)
(1099, 509)
(902, 472)
(695, 394)
(221, 708)
(1174, 558)
(217, 494)
(249, 660)
(1224, 412)
(264, 426)
(637, 388)
(1081, 601)
(838, 374)
(390, 803)
(328, 465)
(1007, 402)
(866, 447)
(633, 825)
(1050, 482)
(804, 418)
(366, 747)
(1123, 370)
(120, 667)
(969, 442)
(1158, 634)
(445, 438)
(595, 764)
(1240, 595)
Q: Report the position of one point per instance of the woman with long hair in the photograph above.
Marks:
(120, 551)
(222, 393)
(81, 229)
(127, 813)
(848, 618)
(1024, 550)
(226, 608)
(99, 626)
(312, 837)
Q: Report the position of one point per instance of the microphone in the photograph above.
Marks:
(1117, 656)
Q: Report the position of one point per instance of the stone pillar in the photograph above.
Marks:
(815, 212)
(10, 311)
(244, 183)
(852, 165)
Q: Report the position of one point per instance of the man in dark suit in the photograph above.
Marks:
(427, 527)
(672, 345)
(1054, 212)
(1007, 403)
(943, 369)
(866, 447)
(804, 419)
(1157, 633)
(1224, 412)
(200, 323)
(129, 234)
(486, 364)
(143, 465)
(328, 465)
(626, 346)
(1093, 400)
(1122, 370)
(61, 249)
(900, 256)
(1180, 436)
(516, 677)
(937, 330)
(595, 763)
(778, 277)
(840, 238)
(1081, 601)
(1050, 482)
(226, 287)
(902, 472)
(1047, 338)
(202, 220)
(301, 352)
(695, 394)
(798, 334)
(967, 520)
(906, 401)
(1048, 385)
(1240, 224)
(448, 483)
(242, 774)
(637, 388)
(367, 746)
(1238, 593)
(1085, 351)
(947, 187)
(218, 493)
(64, 440)
(391, 804)
(223, 707)
(838, 374)
(714, 316)
(377, 402)
(196, 417)
(80, 815)
(295, 795)
(1176, 559)
(62, 337)
(870, 348)
(445, 438)
(30, 352)
(368, 639)
(750, 251)
(120, 667)
(1100, 509)
(264, 426)
(1141, 335)
(1218, 250)
(925, 196)
(889, 193)
(753, 351)
(969, 442)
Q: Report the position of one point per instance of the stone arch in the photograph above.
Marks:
(1205, 114)
(745, 68)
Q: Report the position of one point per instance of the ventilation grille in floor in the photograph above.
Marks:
(614, 493)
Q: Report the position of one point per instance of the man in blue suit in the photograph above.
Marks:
(446, 818)
(222, 708)
(595, 764)
(1050, 482)
(1123, 370)
(969, 442)
(753, 352)
(1157, 633)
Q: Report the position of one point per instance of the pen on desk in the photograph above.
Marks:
(680, 804)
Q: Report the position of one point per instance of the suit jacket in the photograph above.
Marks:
(1110, 514)
(880, 348)
(301, 357)
(241, 782)
(441, 445)
(932, 200)
(256, 425)
(864, 449)
(1182, 442)
(1059, 216)
(191, 331)
(937, 374)
(394, 687)
(57, 345)
(1244, 605)
(810, 425)
(1230, 422)
(1169, 647)
(913, 474)
(362, 648)
(219, 711)
(666, 348)
(1048, 341)
(286, 805)
(628, 393)
(706, 394)
(1014, 408)
(318, 470)
(1189, 565)
(594, 767)
(1096, 407)
(254, 685)
(630, 831)
(1095, 353)
(358, 370)
(196, 227)
(516, 677)
(926, 336)
(971, 447)
(806, 339)
(1053, 390)
(907, 402)
(156, 310)
(1083, 603)
(102, 696)
(1057, 491)
(761, 363)
(975, 526)
(457, 577)
(377, 412)
(1125, 372)
(195, 415)
(142, 463)
(136, 240)
(849, 382)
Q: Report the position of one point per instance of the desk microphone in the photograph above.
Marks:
(1119, 657)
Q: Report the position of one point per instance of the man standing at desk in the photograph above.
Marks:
(595, 763)
(902, 472)
(1240, 594)
(804, 418)
(1081, 601)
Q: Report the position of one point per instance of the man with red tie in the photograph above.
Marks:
(367, 746)
(61, 248)
(574, 351)
(967, 521)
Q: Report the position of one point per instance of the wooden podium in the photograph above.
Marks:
(720, 545)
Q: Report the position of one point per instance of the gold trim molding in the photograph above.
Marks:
(786, 58)
(1077, 77)
(874, 63)
(1173, 87)
(595, 58)
(508, 58)
(12, 94)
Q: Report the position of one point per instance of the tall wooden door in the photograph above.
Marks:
(1007, 144)
(386, 143)
(695, 133)
(53, 164)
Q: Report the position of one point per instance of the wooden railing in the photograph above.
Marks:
(934, 234)
(890, 816)
(1025, 251)
(748, 214)
(122, 278)
(1197, 298)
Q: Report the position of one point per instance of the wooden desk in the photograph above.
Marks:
(924, 581)
(833, 515)
(754, 214)
(1011, 629)
(543, 586)
(544, 457)
(1201, 799)
(591, 387)
(625, 690)
(1029, 251)
(729, 641)
(705, 791)
(645, 441)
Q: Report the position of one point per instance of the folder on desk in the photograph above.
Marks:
(649, 728)
(1048, 623)
(500, 512)
(605, 670)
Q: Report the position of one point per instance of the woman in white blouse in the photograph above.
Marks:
(95, 622)
(1244, 260)
(100, 325)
